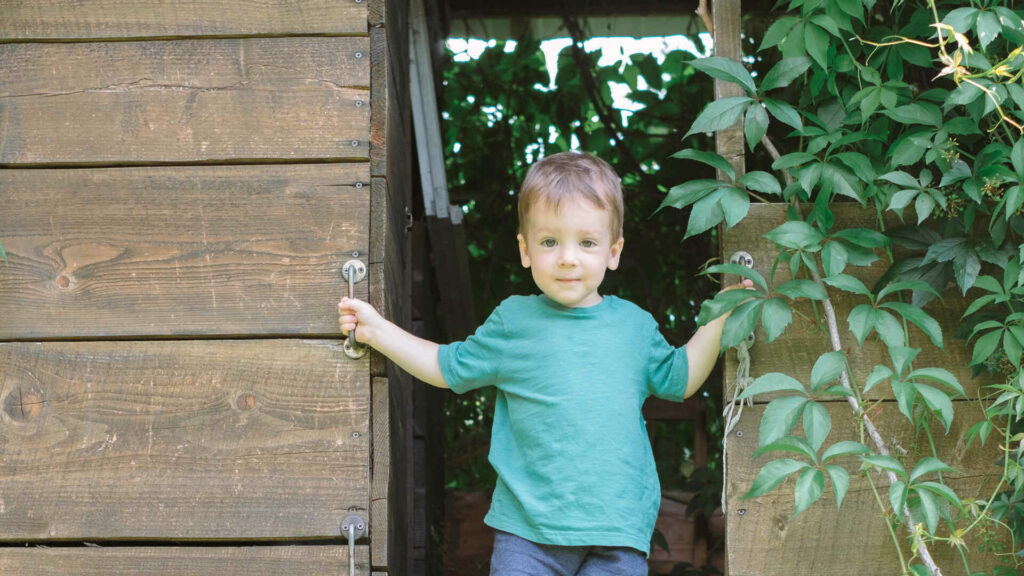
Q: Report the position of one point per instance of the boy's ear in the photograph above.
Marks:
(524, 255)
(616, 250)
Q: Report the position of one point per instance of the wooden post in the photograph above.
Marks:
(725, 18)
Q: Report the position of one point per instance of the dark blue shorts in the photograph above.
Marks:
(515, 556)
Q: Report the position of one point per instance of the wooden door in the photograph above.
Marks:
(180, 185)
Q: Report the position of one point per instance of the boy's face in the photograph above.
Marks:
(568, 251)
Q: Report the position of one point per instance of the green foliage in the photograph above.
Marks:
(909, 110)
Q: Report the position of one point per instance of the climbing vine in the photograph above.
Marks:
(912, 111)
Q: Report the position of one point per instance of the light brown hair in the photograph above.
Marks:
(572, 176)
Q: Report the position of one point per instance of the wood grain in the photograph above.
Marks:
(185, 101)
(764, 540)
(181, 440)
(381, 473)
(213, 250)
(797, 349)
(78, 19)
(182, 561)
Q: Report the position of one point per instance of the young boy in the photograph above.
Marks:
(577, 489)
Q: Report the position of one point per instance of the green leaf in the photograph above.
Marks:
(735, 204)
(783, 73)
(929, 465)
(792, 444)
(797, 235)
(898, 495)
(802, 289)
(816, 44)
(847, 283)
(809, 488)
(772, 382)
(889, 329)
(689, 192)
(985, 346)
(705, 214)
(840, 482)
(761, 182)
(710, 158)
(940, 375)
(772, 474)
(864, 237)
(817, 424)
(938, 401)
(844, 448)
(902, 285)
(920, 318)
(777, 31)
(862, 320)
(755, 125)
(901, 178)
(723, 302)
(834, 258)
(741, 323)
(739, 270)
(988, 28)
(916, 113)
(719, 114)
(859, 163)
(878, 375)
(784, 112)
(885, 463)
(902, 356)
(792, 160)
(827, 368)
(930, 509)
(780, 415)
(775, 316)
(725, 69)
(941, 490)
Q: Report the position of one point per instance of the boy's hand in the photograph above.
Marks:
(746, 283)
(354, 314)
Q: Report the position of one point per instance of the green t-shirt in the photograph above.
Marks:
(569, 445)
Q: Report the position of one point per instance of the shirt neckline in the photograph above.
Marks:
(605, 302)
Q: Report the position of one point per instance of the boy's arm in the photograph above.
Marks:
(411, 353)
(703, 347)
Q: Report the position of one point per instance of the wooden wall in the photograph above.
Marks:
(762, 538)
(180, 184)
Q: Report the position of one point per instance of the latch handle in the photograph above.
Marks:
(354, 271)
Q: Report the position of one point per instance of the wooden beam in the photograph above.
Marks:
(181, 440)
(219, 100)
(182, 561)
(76, 19)
(726, 17)
(210, 250)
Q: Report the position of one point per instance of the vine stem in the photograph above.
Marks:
(869, 426)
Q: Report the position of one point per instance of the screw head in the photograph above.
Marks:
(742, 511)
(355, 143)
(359, 185)
(739, 433)
(359, 54)
(359, 103)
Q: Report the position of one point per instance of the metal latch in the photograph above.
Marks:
(354, 271)
(352, 527)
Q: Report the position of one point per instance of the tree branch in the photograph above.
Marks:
(869, 426)
(705, 16)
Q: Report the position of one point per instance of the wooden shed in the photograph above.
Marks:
(181, 185)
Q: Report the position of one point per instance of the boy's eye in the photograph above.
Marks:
(588, 243)
(548, 243)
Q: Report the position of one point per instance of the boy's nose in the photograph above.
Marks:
(567, 258)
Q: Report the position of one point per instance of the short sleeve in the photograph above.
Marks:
(474, 362)
(668, 369)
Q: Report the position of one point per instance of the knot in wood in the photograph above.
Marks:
(23, 405)
(63, 281)
(245, 401)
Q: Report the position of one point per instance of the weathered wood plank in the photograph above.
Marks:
(77, 19)
(727, 33)
(182, 561)
(380, 473)
(193, 439)
(763, 539)
(213, 250)
(185, 101)
(795, 351)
